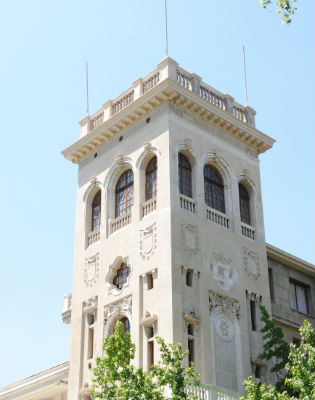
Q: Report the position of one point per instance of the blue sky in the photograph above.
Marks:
(44, 46)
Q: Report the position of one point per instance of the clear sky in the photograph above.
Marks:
(44, 45)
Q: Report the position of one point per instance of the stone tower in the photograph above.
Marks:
(169, 234)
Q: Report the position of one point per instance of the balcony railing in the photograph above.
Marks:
(120, 222)
(93, 237)
(248, 231)
(187, 203)
(211, 392)
(148, 206)
(217, 217)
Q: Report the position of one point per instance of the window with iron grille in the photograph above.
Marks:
(214, 188)
(184, 176)
(124, 193)
(244, 204)
(121, 276)
(151, 179)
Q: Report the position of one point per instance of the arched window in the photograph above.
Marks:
(96, 211)
(214, 189)
(124, 193)
(126, 324)
(121, 276)
(184, 176)
(151, 179)
(244, 204)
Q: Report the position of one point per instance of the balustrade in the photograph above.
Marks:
(93, 237)
(97, 120)
(248, 231)
(239, 114)
(184, 79)
(218, 217)
(151, 82)
(123, 102)
(148, 206)
(211, 392)
(120, 222)
(187, 203)
(211, 97)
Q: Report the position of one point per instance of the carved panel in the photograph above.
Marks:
(148, 241)
(90, 304)
(251, 263)
(190, 238)
(224, 327)
(223, 270)
(91, 270)
(122, 306)
(224, 304)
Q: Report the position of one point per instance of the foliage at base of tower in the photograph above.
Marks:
(275, 347)
(301, 373)
(284, 7)
(116, 378)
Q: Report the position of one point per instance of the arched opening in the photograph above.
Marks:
(214, 188)
(124, 193)
(184, 176)
(151, 179)
(96, 212)
(244, 204)
(126, 324)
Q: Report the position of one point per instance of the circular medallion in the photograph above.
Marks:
(224, 327)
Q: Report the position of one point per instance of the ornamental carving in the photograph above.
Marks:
(90, 304)
(223, 270)
(251, 263)
(225, 304)
(148, 241)
(91, 270)
(190, 238)
(120, 307)
(224, 327)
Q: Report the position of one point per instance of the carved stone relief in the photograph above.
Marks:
(251, 263)
(223, 270)
(122, 306)
(91, 270)
(224, 304)
(148, 241)
(90, 304)
(190, 238)
(224, 327)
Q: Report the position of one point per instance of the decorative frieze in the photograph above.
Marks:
(224, 304)
(91, 270)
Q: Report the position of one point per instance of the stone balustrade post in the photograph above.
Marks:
(85, 125)
(108, 109)
(195, 81)
(138, 88)
(168, 69)
(250, 116)
(228, 101)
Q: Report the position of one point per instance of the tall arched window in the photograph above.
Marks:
(151, 179)
(124, 193)
(184, 176)
(126, 324)
(121, 276)
(96, 212)
(214, 188)
(244, 204)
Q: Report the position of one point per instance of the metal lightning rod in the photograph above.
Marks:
(87, 87)
(245, 84)
(166, 37)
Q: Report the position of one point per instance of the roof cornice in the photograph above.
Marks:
(290, 260)
(167, 84)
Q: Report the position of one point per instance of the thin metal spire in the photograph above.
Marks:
(87, 87)
(166, 37)
(245, 84)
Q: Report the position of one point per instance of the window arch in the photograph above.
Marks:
(121, 276)
(184, 176)
(214, 188)
(244, 204)
(126, 324)
(151, 179)
(96, 212)
(124, 193)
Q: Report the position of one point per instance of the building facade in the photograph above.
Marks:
(169, 235)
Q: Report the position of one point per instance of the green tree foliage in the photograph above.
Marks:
(284, 7)
(116, 378)
(275, 347)
(301, 373)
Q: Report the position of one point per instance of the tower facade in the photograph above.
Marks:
(169, 234)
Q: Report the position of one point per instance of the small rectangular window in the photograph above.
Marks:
(298, 297)
(253, 315)
(191, 350)
(150, 281)
(90, 343)
(150, 354)
(189, 277)
(271, 288)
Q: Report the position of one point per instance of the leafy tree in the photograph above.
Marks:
(301, 373)
(116, 378)
(284, 7)
(275, 347)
